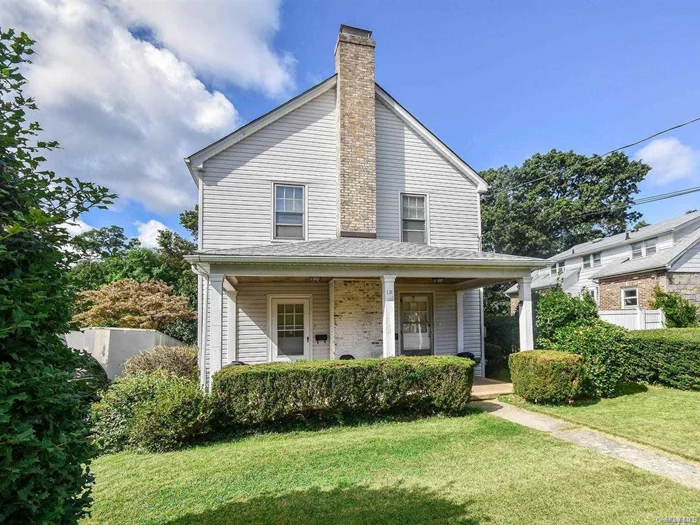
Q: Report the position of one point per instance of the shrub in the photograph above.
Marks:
(156, 411)
(326, 390)
(177, 415)
(557, 310)
(496, 358)
(670, 357)
(502, 330)
(679, 312)
(178, 360)
(546, 376)
(90, 377)
(605, 353)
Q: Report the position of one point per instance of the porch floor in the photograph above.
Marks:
(484, 388)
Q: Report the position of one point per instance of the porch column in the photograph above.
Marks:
(527, 339)
(231, 320)
(216, 285)
(388, 316)
(459, 294)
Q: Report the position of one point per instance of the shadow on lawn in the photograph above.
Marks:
(623, 389)
(344, 505)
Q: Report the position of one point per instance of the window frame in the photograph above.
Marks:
(589, 260)
(644, 247)
(622, 297)
(426, 200)
(641, 250)
(272, 301)
(557, 268)
(304, 218)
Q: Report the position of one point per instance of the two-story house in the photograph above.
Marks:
(338, 225)
(621, 271)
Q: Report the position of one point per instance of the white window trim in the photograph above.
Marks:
(622, 297)
(309, 323)
(558, 267)
(590, 259)
(305, 226)
(644, 247)
(427, 213)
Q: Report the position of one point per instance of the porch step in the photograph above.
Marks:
(485, 389)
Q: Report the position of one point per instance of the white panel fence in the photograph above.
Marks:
(637, 319)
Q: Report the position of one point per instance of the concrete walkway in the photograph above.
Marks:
(678, 470)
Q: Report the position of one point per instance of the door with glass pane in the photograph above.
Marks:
(290, 329)
(416, 324)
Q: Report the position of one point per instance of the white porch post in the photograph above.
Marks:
(216, 284)
(231, 320)
(388, 315)
(527, 338)
(459, 295)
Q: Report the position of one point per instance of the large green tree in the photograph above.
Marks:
(45, 449)
(554, 201)
(102, 242)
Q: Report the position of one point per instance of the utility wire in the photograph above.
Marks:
(602, 157)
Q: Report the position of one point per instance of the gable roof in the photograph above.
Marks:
(362, 251)
(622, 239)
(545, 281)
(195, 161)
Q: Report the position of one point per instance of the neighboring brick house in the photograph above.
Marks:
(337, 224)
(621, 271)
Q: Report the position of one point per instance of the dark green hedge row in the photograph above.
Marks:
(546, 376)
(326, 390)
(670, 357)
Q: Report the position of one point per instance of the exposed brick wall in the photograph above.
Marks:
(354, 64)
(610, 294)
(514, 304)
(686, 284)
(357, 318)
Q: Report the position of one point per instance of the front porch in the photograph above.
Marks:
(257, 309)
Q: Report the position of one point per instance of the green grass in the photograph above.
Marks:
(664, 418)
(475, 469)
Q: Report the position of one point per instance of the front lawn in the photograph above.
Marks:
(664, 418)
(475, 469)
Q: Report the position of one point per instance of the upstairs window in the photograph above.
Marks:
(289, 212)
(413, 219)
(643, 249)
(650, 247)
(637, 250)
(557, 268)
(591, 260)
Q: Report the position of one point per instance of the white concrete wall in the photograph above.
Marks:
(112, 346)
(357, 318)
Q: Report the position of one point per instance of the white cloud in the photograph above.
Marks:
(126, 111)
(148, 232)
(76, 227)
(670, 160)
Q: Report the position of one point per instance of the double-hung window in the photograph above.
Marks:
(289, 212)
(414, 219)
(643, 249)
(591, 260)
(630, 298)
(637, 250)
(557, 268)
(650, 246)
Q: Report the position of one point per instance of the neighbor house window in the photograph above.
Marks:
(591, 260)
(643, 249)
(630, 298)
(413, 219)
(637, 250)
(650, 247)
(289, 212)
(557, 268)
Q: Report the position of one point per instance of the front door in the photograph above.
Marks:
(290, 328)
(416, 324)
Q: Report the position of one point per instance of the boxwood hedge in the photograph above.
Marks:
(274, 393)
(546, 376)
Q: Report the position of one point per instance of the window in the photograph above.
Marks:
(591, 260)
(643, 249)
(637, 250)
(289, 212)
(630, 298)
(557, 268)
(650, 247)
(413, 219)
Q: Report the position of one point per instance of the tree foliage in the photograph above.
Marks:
(44, 447)
(679, 312)
(102, 242)
(189, 219)
(130, 304)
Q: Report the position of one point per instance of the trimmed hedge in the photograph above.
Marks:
(178, 360)
(546, 376)
(670, 357)
(330, 390)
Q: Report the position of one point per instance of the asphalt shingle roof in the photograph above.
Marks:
(543, 282)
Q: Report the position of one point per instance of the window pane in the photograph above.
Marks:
(279, 192)
(636, 250)
(289, 232)
(290, 218)
(414, 236)
(586, 261)
(651, 246)
(596, 259)
(414, 225)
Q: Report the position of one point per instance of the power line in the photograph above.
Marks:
(602, 157)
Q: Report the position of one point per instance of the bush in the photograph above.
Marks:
(670, 357)
(605, 353)
(496, 359)
(178, 360)
(176, 416)
(326, 390)
(172, 409)
(679, 312)
(557, 310)
(502, 330)
(546, 376)
(90, 377)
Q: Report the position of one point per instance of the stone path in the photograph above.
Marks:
(677, 470)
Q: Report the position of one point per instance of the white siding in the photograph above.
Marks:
(252, 317)
(689, 262)
(407, 164)
(237, 183)
(473, 327)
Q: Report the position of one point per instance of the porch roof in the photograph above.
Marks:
(363, 251)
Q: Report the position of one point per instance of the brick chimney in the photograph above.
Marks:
(354, 65)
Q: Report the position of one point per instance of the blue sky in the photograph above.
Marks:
(497, 81)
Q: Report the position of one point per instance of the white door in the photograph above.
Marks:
(290, 333)
(416, 324)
